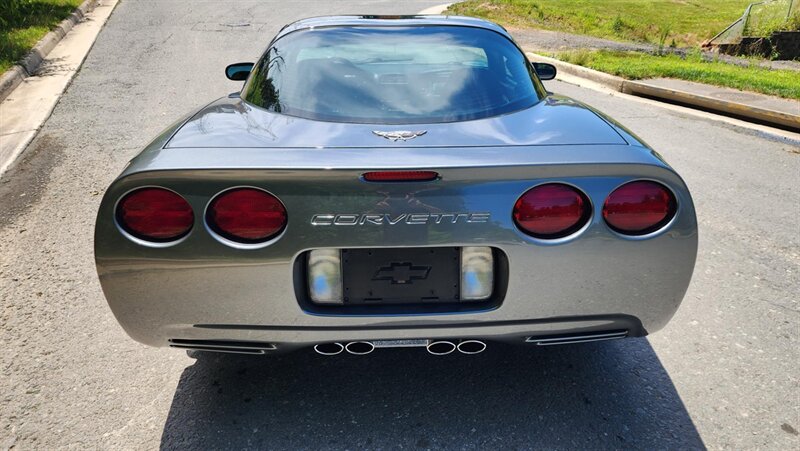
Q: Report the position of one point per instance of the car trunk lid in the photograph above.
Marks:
(233, 123)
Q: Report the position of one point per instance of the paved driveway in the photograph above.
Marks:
(723, 374)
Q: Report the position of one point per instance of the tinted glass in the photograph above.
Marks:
(392, 75)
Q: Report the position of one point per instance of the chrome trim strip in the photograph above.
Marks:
(576, 338)
(249, 351)
(221, 344)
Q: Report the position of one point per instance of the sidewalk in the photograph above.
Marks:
(26, 108)
(760, 108)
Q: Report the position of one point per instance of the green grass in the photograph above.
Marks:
(24, 22)
(677, 23)
(773, 16)
(634, 65)
(687, 22)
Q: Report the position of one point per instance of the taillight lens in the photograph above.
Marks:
(638, 208)
(246, 215)
(552, 211)
(155, 214)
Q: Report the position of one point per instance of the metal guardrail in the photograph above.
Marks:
(756, 16)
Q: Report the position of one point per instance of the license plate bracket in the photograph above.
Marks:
(401, 275)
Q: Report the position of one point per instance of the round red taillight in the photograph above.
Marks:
(246, 215)
(155, 214)
(639, 208)
(552, 211)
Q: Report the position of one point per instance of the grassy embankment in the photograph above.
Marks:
(24, 22)
(663, 23)
(688, 22)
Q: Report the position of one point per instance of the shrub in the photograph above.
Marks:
(10, 11)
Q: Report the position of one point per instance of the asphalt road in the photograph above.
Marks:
(723, 374)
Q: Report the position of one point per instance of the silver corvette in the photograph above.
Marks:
(387, 182)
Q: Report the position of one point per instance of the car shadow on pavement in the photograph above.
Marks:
(596, 395)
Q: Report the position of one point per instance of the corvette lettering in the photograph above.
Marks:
(404, 218)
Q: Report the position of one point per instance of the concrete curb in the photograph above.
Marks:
(645, 89)
(763, 115)
(32, 101)
(10, 80)
(30, 63)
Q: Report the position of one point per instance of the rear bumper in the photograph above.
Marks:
(278, 339)
(600, 286)
(203, 289)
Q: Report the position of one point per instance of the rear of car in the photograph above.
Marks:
(387, 184)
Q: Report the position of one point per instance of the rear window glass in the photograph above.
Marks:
(392, 75)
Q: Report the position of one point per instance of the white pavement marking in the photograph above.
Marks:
(24, 111)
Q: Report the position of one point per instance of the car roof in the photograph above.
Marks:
(384, 21)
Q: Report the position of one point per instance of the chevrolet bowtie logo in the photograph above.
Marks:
(402, 273)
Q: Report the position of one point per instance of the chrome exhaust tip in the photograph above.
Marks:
(471, 347)
(359, 347)
(329, 348)
(441, 347)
